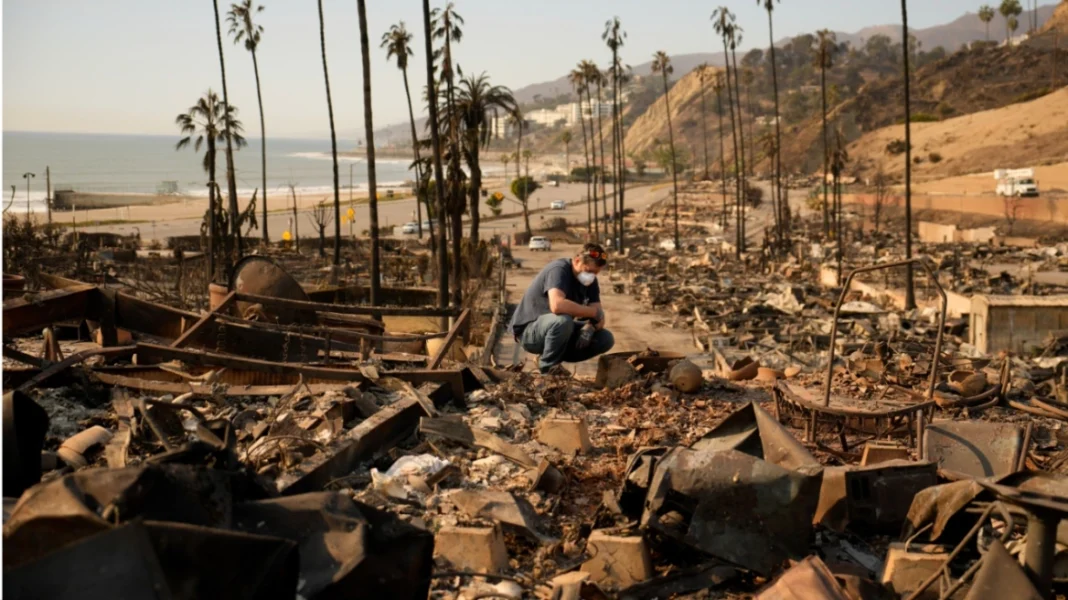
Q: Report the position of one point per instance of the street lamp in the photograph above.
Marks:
(28, 176)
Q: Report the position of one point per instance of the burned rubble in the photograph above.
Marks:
(816, 441)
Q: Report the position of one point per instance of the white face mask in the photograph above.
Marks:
(586, 278)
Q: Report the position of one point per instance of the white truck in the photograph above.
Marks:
(1016, 182)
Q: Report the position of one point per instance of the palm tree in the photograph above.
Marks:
(565, 139)
(783, 203)
(838, 160)
(717, 86)
(397, 42)
(243, 29)
(986, 15)
(231, 177)
(333, 140)
(910, 291)
(435, 141)
(578, 82)
(724, 26)
(703, 72)
(1014, 23)
(662, 65)
(475, 98)
(595, 77)
(614, 36)
(369, 135)
(446, 27)
(747, 78)
(517, 120)
(736, 40)
(505, 159)
(823, 61)
(588, 70)
(205, 123)
(1010, 9)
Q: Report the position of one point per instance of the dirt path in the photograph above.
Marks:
(633, 327)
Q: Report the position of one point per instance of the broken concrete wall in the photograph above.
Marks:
(1015, 323)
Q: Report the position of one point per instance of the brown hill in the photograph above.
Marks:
(651, 128)
(1058, 22)
(1025, 134)
(965, 82)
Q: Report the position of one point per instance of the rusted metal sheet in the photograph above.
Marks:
(746, 492)
(25, 425)
(1000, 576)
(33, 312)
(879, 497)
(347, 549)
(938, 505)
(809, 579)
(734, 506)
(974, 448)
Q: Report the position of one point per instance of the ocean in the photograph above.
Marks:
(142, 163)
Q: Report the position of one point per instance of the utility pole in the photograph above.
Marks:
(48, 193)
(28, 176)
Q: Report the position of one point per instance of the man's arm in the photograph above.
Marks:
(560, 305)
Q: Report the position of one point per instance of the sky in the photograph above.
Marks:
(130, 66)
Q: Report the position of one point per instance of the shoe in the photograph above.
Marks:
(556, 371)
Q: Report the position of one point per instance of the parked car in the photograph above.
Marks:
(410, 227)
(540, 243)
(426, 225)
(558, 205)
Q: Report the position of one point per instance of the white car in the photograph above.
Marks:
(558, 205)
(411, 227)
(540, 243)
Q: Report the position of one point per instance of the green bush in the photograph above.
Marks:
(945, 110)
(924, 118)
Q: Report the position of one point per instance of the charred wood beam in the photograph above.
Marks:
(150, 353)
(33, 312)
(349, 309)
(72, 360)
(372, 436)
(192, 331)
(457, 327)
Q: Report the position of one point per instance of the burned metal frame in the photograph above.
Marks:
(790, 404)
(838, 310)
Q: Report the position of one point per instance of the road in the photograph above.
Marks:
(397, 212)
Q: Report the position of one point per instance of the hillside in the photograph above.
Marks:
(1020, 135)
(650, 128)
(1058, 22)
(965, 82)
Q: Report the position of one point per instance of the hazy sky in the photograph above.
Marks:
(129, 66)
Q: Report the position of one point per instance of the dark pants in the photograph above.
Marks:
(553, 337)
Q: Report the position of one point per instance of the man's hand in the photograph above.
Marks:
(598, 320)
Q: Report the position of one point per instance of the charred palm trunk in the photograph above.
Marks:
(586, 158)
(737, 171)
(674, 162)
(333, 141)
(231, 178)
(604, 170)
(593, 174)
(722, 156)
(910, 291)
(369, 134)
(213, 240)
(823, 100)
(263, 146)
(439, 180)
(415, 151)
(783, 202)
(744, 191)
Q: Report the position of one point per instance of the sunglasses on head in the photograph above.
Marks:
(600, 257)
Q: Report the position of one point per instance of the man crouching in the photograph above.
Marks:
(560, 317)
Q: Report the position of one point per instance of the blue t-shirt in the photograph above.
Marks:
(556, 275)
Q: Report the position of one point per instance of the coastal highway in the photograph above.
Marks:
(398, 212)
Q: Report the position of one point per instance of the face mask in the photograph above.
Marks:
(586, 278)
